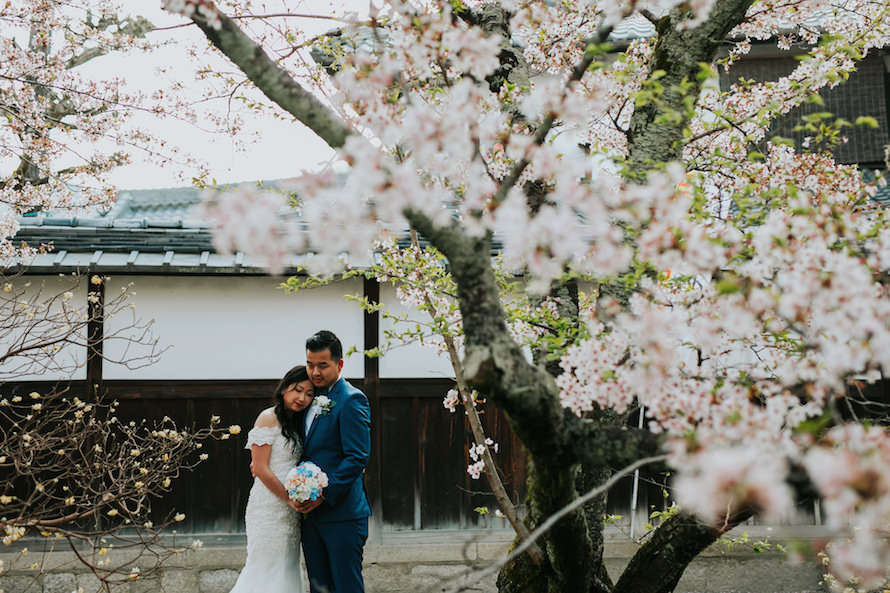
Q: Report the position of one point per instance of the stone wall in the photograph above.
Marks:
(414, 563)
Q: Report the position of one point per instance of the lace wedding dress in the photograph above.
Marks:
(273, 528)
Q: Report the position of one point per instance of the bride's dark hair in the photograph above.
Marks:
(289, 421)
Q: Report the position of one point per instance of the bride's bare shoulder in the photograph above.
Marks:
(267, 419)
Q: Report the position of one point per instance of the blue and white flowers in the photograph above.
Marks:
(305, 482)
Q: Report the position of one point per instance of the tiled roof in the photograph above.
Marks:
(636, 26)
(114, 235)
(155, 204)
(154, 232)
(145, 231)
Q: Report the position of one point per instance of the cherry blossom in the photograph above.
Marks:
(66, 124)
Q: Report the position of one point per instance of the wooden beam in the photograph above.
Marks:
(371, 387)
(95, 333)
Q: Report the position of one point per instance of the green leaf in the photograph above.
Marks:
(864, 120)
(781, 140)
(727, 286)
(814, 426)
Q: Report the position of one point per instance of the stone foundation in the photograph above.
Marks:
(409, 562)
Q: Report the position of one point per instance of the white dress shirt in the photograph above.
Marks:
(311, 413)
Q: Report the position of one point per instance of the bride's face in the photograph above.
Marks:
(298, 396)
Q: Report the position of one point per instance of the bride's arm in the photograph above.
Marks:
(259, 459)
(259, 455)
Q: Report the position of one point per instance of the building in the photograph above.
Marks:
(230, 332)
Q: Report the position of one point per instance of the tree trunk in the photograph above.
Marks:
(660, 562)
(656, 129)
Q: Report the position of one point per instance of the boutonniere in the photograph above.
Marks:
(324, 404)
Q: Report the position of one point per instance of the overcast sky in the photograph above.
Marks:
(283, 148)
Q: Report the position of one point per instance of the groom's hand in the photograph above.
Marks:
(309, 505)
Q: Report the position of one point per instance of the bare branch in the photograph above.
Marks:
(71, 469)
(136, 27)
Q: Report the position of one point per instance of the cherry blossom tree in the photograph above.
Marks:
(74, 476)
(740, 283)
(67, 123)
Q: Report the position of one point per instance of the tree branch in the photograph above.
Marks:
(491, 474)
(549, 120)
(658, 565)
(656, 129)
(275, 82)
(137, 26)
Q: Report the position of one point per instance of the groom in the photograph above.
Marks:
(337, 438)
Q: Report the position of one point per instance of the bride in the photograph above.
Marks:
(273, 527)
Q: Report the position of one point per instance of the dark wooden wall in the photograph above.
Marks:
(417, 477)
(865, 93)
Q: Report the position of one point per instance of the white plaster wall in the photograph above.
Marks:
(410, 360)
(413, 360)
(241, 327)
(69, 362)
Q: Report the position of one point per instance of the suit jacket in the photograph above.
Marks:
(339, 442)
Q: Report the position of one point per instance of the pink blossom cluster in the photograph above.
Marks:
(744, 114)
(554, 35)
(593, 381)
(809, 314)
(452, 399)
(849, 468)
(611, 93)
(475, 451)
(68, 124)
(204, 8)
(455, 146)
(53, 112)
(730, 363)
(718, 483)
(424, 287)
(252, 224)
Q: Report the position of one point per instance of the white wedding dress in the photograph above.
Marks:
(273, 528)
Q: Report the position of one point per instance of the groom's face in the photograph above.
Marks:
(322, 370)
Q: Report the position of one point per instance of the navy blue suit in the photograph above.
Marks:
(334, 533)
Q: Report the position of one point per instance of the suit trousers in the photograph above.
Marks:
(334, 553)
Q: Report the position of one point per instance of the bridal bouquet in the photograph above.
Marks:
(305, 482)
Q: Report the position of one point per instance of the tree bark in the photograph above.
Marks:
(661, 561)
(590, 477)
(656, 129)
(528, 395)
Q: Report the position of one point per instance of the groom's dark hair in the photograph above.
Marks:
(325, 340)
